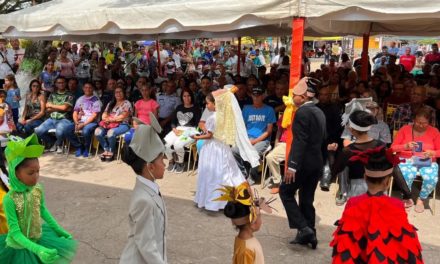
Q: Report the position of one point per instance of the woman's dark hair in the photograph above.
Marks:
(32, 82)
(161, 86)
(378, 162)
(133, 160)
(210, 98)
(113, 101)
(344, 57)
(236, 210)
(362, 119)
(423, 111)
(191, 94)
(387, 92)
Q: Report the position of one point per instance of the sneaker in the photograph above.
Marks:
(85, 153)
(53, 148)
(78, 152)
(179, 168)
(59, 150)
(171, 167)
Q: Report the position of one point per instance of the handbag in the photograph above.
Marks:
(108, 125)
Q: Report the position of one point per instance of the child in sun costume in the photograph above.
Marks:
(29, 240)
(244, 210)
(374, 227)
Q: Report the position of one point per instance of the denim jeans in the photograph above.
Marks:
(29, 128)
(15, 115)
(244, 166)
(107, 137)
(129, 136)
(61, 126)
(87, 133)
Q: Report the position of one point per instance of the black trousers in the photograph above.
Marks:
(301, 214)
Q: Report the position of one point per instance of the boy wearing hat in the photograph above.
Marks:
(147, 214)
(305, 165)
(259, 119)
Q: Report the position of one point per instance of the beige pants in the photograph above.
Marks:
(273, 160)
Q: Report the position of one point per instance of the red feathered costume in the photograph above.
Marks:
(375, 229)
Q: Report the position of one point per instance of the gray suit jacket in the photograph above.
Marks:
(147, 220)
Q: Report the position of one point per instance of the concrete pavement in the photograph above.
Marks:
(90, 199)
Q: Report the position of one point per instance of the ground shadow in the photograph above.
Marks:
(97, 217)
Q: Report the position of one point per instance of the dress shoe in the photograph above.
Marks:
(325, 187)
(306, 236)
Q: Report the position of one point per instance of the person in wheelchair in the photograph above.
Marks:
(419, 144)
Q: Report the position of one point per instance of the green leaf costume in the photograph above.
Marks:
(28, 240)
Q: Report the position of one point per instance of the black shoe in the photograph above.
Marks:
(325, 187)
(179, 168)
(306, 236)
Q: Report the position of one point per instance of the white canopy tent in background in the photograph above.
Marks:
(151, 19)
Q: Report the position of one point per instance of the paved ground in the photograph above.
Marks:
(90, 199)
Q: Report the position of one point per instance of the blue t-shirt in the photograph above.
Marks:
(257, 119)
(48, 80)
(10, 98)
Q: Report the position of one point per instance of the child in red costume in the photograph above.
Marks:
(374, 227)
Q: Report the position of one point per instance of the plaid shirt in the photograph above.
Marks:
(404, 115)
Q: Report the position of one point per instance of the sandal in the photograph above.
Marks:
(419, 208)
(408, 203)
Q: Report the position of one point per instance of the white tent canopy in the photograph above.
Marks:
(146, 19)
(150, 19)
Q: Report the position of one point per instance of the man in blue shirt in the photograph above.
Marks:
(259, 119)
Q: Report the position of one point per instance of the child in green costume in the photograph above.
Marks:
(28, 239)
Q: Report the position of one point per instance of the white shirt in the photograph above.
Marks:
(176, 58)
(262, 59)
(150, 184)
(8, 54)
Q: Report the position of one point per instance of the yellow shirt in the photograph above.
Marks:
(3, 223)
(109, 58)
(247, 252)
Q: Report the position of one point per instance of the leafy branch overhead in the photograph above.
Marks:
(8, 6)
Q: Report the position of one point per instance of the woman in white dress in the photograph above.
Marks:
(217, 165)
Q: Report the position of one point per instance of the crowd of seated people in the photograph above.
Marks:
(85, 94)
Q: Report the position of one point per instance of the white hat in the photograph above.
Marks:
(146, 142)
(353, 105)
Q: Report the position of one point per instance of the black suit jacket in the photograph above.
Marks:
(309, 136)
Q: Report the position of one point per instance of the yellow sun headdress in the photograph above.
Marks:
(243, 194)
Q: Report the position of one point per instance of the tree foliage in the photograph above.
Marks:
(8, 6)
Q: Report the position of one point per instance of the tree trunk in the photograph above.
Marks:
(34, 59)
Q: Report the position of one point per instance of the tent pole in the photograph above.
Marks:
(238, 55)
(158, 58)
(364, 58)
(296, 52)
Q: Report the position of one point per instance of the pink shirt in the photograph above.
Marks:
(143, 109)
(430, 139)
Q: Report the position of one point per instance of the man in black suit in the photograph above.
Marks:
(305, 165)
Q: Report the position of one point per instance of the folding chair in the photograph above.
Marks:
(264, 165)
(192, 151)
